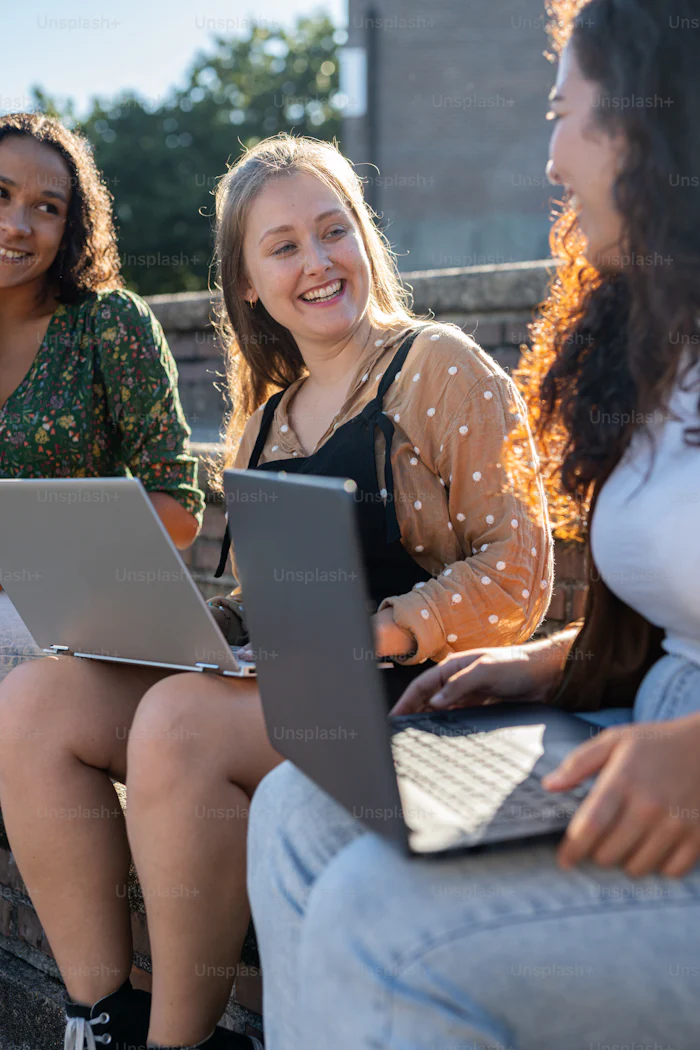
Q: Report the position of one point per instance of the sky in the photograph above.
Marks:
(80, 48)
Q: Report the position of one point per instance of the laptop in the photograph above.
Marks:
(92, 571)
(431, 783)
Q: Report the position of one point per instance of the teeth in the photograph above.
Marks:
(323, 293)
(13, 255)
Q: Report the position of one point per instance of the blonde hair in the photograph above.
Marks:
(261, 355)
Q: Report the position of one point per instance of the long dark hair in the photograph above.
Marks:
(88, 259)
(606, 346)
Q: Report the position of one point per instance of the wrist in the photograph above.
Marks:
(393, 641)
(547, 659)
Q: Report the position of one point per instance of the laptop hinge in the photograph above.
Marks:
(57, 649)
(208, 667)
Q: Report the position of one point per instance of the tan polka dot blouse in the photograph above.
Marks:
(490, 558)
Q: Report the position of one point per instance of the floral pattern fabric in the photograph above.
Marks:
(101, 400)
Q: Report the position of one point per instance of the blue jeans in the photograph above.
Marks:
(364, 948)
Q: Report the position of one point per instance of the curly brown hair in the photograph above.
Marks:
(88, 259)
(606, 347)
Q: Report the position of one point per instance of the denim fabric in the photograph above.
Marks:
(364, 948)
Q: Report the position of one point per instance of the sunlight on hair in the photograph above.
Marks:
(261, 355)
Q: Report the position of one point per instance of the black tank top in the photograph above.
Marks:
(350, 453)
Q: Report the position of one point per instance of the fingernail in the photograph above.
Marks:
(438, 699)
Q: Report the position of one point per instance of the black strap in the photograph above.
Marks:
(395, 366)
(265, 425)
(376, 412)
(393, 532)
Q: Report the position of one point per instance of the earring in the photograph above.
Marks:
(252, 303)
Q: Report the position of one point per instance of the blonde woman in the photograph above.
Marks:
(416, 413)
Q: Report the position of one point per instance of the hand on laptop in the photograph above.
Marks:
(643, 811)
(526, 673)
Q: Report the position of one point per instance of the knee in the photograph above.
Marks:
(32, 697)
(284, 798)
(278, 795)
(165, 742)
(295, 831)
(351, 890)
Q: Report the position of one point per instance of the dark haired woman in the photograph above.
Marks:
(362, 948)
(88, 387)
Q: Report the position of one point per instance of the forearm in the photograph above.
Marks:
(180, 524)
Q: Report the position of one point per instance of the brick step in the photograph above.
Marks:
(31, 1007)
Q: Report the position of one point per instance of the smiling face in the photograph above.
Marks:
(585, 159)
(34, 198)
(305, 259)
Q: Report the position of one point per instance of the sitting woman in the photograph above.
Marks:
(416, 414)
(88, 387)
(508, 948)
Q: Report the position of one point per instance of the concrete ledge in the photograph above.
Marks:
(480, 289)
(470, 289)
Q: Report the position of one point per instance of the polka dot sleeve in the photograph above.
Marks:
(497, 591)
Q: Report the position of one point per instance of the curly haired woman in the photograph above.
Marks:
(592, 942)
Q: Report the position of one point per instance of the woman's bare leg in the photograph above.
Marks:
(64, 724)
(197, 751)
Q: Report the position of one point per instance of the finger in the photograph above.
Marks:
(624, 837)
(425, 686)
(655, 849)
(594, 818)
(683, 859)
(583, 761)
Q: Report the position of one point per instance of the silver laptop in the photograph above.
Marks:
(92, 571)
(432, 783)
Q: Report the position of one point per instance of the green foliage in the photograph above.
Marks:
(162, 162)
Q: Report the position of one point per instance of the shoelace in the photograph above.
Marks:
(80, 1034)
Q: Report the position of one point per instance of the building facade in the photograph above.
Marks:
(455, 122)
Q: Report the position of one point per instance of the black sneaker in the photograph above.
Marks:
(119, 1021)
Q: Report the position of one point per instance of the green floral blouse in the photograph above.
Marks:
(101, 400)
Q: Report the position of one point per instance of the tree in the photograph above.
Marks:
(162, 164)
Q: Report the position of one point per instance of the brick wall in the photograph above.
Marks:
(460, 137)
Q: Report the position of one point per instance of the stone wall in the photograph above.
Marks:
(492, 303)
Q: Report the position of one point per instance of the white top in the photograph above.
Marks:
(645, 535)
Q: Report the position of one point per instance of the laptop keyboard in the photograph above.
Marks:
(483, 778)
